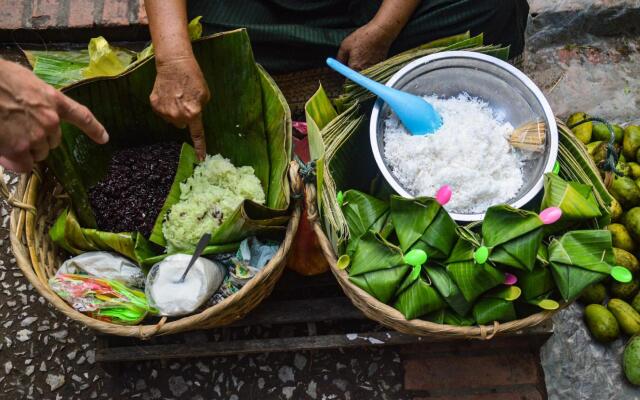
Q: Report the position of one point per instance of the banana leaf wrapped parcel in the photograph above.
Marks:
(424, 224)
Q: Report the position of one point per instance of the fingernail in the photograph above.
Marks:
(105, 137)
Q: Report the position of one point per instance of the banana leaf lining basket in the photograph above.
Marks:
(254, 130)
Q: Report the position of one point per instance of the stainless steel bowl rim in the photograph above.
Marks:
(549, 117)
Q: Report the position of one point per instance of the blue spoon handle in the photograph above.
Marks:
(374, 87)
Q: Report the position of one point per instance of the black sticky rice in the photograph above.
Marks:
(136, 185)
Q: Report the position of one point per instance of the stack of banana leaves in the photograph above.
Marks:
(411, 255)
(247, 122)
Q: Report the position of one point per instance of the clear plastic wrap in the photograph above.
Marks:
(105, 265)
(577, 367)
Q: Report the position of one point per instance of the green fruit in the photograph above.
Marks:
(616, 210)
(583, 131)
(631, 141)
(600, 132)
(635, 169)
(636, 303)
(626, 191)
(621, 238)
(627, 260)
(624, 291)
(631, 219)
(617, 129)
(601, 323)
(594, 294)
(631, 360)
(627, 317)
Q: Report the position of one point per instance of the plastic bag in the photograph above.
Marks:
(106, 300)
(174, 298)
(105, 265)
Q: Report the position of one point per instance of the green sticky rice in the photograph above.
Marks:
(213, 192)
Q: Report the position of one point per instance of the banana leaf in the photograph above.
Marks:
(377, 267)
(536, 282)
(247, 121)
(63, 68)
(67, 233)
(437, 317)
(363, 213)
(491, 309)
(576, 200)
(579, 259)
(452, 318)
(423, 223)
(473, 279)
(513, 236)
(448, 289)
(418, 298)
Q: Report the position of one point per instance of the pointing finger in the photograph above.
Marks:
(196, 128)
(80, 116)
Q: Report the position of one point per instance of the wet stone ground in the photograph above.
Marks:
(44, 355)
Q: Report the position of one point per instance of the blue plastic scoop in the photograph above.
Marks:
(417, 115)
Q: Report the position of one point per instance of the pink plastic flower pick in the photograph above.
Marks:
(443, 195)
(510, 279)
(550, 215)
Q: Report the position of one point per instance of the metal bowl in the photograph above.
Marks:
(506, 89)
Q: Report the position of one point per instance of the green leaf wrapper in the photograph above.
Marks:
(579, 259)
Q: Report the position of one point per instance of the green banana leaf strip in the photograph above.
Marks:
(473, 279)
(579, 259)
(67, 233)
(418, 299)
(465, 247)
(487, 310)
(381, 284)
(518, 233)
(240, 130)
(536, 282)
(186, 165)
(423, 220)
(453, 318)
(448, 289)
(373, 253)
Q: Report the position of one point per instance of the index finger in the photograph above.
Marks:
(80, 116)
(196, 129)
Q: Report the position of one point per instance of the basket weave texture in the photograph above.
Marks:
(36, 203)
(392, 318)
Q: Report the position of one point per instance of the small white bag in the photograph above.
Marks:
(173, 298)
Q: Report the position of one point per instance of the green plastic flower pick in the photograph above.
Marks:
(621, 274)
(548, 304)
(556, 168)
(416, 258)
(481, 255)
(340, 198)
(343, 262)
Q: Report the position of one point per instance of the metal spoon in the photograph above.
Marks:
(204, 241)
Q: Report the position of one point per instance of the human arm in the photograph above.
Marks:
(180, 91)
(370, 43)
(30, 115)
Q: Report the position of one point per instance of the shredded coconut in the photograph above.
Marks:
(470, 153)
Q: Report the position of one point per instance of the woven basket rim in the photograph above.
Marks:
(23, 202)
(392, 318)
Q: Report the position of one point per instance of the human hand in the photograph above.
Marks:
(30, 115)
(366, 46)
(179, 94)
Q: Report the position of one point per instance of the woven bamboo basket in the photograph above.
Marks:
(392, 318)
(39, 198)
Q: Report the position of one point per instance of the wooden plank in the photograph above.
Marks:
(300, 311)
(227, 348)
